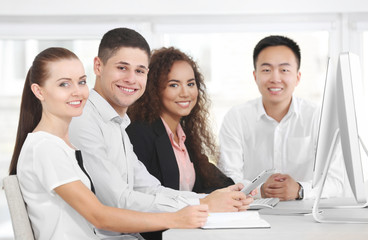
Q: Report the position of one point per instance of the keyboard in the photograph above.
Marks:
(260, 203)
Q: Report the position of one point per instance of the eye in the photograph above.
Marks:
(266, 70)
(122, 68)
(83, 82)
(191, 84)
(174, 85)
(64, 84)
(140, 71)
(285, 70)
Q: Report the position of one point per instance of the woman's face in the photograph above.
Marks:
(180, 92)
(64, 92)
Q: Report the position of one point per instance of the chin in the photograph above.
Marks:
(184, 114)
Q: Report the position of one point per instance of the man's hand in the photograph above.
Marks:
(239, 187)
(280, 186)
(227, 200)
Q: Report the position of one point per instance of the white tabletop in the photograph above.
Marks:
(291, 226)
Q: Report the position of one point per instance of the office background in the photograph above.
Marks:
(220, 35)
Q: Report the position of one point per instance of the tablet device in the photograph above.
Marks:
(260, 179)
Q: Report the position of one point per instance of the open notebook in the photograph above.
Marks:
(246, 219)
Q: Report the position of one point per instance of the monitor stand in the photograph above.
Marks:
(317, 213)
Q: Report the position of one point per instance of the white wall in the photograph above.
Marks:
(65, 19)
(175, 7)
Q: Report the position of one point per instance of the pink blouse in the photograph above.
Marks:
(186, 168)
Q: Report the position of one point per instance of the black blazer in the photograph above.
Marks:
(153, 147)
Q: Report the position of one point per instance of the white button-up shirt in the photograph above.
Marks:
(251, 141)
(120, 179)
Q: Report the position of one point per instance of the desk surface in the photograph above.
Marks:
(285, 226)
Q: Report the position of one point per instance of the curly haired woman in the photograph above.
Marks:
(170, 132)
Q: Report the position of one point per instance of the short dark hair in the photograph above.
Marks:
(117, 38)
(273, 41)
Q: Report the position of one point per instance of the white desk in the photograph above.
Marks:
(283, 227)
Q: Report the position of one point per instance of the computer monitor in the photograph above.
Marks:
(352, 119)
(342, 119)
(328, 124)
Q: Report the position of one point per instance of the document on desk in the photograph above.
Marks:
(247, 219)
(285, 212)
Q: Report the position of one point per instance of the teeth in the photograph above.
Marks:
(184, 104)
(128, 90)
(75, 102)
(275, 89)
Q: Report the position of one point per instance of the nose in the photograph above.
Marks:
(184, 91)
(129, 77)
(275, 77)
(76, 90)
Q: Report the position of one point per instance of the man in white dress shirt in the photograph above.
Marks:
(120, 179)
(277, 130)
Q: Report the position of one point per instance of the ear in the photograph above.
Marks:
(298, 78)
(254, 75)
(37, 91)
(97, 66)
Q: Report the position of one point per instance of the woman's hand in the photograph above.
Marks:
(189, 217)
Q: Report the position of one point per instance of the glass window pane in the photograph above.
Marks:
(15, 60)
(226, 61)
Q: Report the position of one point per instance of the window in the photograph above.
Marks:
(226, 61)
(15, 61)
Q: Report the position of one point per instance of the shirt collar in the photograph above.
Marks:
(260, 109)
(106, 111)
(293, 109)
(180, 132)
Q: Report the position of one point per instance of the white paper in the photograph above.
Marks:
(246, 219)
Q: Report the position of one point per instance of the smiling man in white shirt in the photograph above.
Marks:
(120, 179)
(277, 130)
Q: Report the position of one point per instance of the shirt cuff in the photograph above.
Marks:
(308, 193)
(193, 201)
(172, 204)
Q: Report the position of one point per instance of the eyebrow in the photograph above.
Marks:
(285, 64)
(126, 63)
(174, 80)
(69, 79)
(281, 64)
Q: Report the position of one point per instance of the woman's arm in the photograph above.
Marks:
(78, 196)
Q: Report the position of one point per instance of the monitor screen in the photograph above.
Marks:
(343, 120)
(351, 118)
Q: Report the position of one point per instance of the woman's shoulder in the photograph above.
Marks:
(44, 143)
(45, 139)
(146, 127)
(139, 126)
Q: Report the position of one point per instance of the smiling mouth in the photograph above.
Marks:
(74, 103)
(275, 89)
(184, 104)
(127, 90)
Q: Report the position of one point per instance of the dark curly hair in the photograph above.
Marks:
(148, 108)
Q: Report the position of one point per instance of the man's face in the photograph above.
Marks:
(122, 79)
(276, 75)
